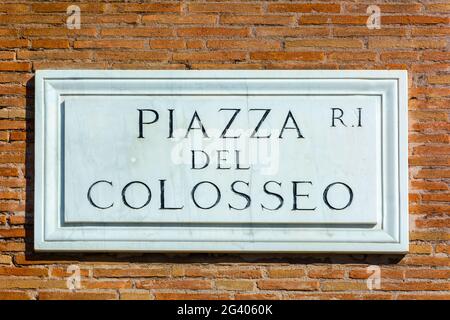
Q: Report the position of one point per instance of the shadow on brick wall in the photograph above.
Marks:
(181, 258)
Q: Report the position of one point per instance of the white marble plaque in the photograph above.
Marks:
(276, 161)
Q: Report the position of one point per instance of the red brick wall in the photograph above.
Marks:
(414, 35)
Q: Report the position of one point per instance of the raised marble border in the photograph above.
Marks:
(388, 235)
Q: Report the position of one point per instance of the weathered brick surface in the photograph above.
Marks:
(224, 34)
